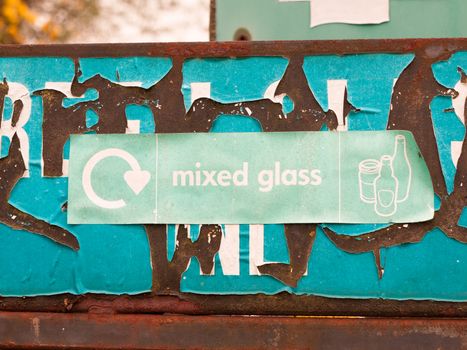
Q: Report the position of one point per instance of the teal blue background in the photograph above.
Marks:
(432, 269)
(115, 259)
(233, 80)
(112, 259)
(370, 79)
(448, 127)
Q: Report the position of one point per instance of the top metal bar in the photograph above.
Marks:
(429, 47)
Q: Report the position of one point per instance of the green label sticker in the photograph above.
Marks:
(249, 178)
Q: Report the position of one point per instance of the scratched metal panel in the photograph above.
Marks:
(106, 88)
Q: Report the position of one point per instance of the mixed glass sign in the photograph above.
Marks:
(231, 171)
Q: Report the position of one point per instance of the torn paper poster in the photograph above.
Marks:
(352, 12)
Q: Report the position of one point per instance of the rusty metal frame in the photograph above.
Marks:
(74, 312)
(81, 331)
(435, 46)
(283, 304)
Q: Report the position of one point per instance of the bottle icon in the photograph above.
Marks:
(386, 187)
(402, 169)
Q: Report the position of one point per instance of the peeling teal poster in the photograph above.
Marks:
(394, 123)
(246, 177)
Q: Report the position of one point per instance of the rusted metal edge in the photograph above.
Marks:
(259, 304)
(79, 331)
(429, 47)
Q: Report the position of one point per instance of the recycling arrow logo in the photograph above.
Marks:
(136, 178)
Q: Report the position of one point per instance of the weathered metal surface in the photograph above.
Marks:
(13, 168)
(191, 304)
(80, 331)
(412, 95)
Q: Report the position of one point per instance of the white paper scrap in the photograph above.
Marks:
(349, 11)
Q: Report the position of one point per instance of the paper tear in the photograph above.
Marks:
(336, 100)
(456, 150)
(459, 101)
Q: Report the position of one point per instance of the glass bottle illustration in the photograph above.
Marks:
(386, 186)
(402, 169)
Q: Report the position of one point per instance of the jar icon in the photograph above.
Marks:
(368, 171)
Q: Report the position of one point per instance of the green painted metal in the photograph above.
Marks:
(274, 20)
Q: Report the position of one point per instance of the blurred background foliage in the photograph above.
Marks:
(34, 21)
(73, 21)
